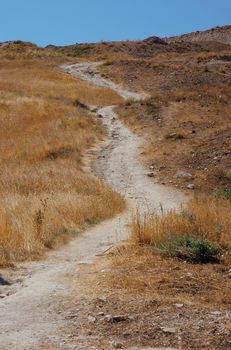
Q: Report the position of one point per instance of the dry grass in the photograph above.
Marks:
(45, 194)
(139, 270)
(206, 217)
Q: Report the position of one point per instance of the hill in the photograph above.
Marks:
(218, 34)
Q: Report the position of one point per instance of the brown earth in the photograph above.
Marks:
(160, 303)
(186, 121)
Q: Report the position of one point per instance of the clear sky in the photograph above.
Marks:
(62, 22)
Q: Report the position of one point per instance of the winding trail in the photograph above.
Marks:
(29, 315)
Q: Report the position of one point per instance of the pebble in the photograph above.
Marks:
(183, 174)
(105, 270)
(103, 299)
(150, 175)
(169, 329)
(216, 313)
(179, 305)
(190, 186)
(118, 318)
(100, 314)
(116, 345)
(91, 319)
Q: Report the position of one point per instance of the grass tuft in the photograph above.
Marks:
(195, 233)
(189, 248)
(223, 193)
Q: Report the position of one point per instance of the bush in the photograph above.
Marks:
(80, 50)
(190, 248)
(224, 194)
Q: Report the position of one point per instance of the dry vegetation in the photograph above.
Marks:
(46, 196)
(186, 121)
(186, 127)
(156, 300)
(205, 217)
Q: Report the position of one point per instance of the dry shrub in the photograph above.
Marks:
(139, 271)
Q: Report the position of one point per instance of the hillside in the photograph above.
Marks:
(217, 34)
(186, 119)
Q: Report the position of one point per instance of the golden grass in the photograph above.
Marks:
(204, 216)
(45, 194)
(138, 271)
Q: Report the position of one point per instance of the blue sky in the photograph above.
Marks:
(62, 22)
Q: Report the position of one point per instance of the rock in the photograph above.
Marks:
(103, 299)
(182, 174)
(4, 282)
(108, 318)
(171, 330)
(118, 318)
(2, 296)
(179, 305)
(93, 109)
(91, 319)
(216, 313)
(151, 167)
(105, 270)
(116, 345)
(150, 175)
(126, 334)
(190, 186)
(100, 314)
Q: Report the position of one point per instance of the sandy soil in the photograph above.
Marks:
(30, 316)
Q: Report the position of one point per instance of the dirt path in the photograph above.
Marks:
(29, 315)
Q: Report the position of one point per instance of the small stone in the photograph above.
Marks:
(116, 345)
(126, 334)
(100, 314)
(2, 296)
(105, 270)
(151, 167)
(150, 175)
(169, 330)
(118, 318)
(108, 318)
(216, 313)
(103, 299)
(190, 186)
(179, 305)
(182, 174)
(131, 318)
(91, 319)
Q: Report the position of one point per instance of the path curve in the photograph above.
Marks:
(28, 316)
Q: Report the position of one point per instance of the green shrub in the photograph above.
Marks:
(225, 193)
(191, 248)
(80, 50)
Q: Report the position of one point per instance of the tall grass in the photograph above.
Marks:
(206, 217)
(45, 195)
